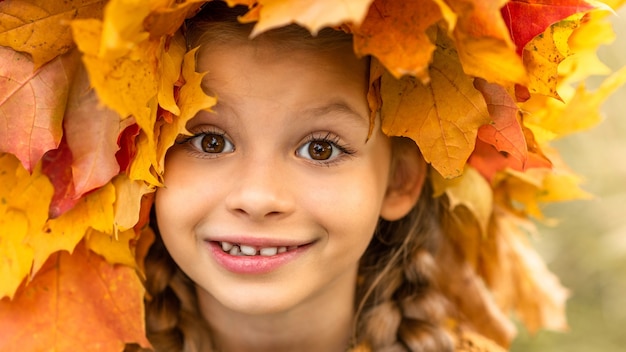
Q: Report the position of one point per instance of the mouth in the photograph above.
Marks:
(238, 249)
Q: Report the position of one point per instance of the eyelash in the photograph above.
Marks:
(332, 139)
(186, 141)
(325, 137)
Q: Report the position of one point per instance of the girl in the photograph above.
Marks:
(285, 224)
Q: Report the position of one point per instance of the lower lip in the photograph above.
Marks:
(256, 264)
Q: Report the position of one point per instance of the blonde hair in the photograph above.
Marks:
(399, 307)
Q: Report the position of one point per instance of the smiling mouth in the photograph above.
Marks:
(236, 249)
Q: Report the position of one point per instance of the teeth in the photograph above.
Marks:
(226, 246)
(234, 251)
(239, 249)
(247, 250)
(269, 251)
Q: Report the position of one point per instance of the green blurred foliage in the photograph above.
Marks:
(587, 249)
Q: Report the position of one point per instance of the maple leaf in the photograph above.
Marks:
(129, 201)
(166, 20)
(75, 300)
(448, 111)
(400, 53)
(192, 100)
(170, 64)
(520, 279)
(483, 43)
(114, 249)
(312, 15)
(505, 132)
(532, 17)
(91, 131)
(545, 52)
(470, 190)
(32, 104)
(57, 165)
(94, 210)
(127, 83)
(40, 27)
(580, 112)
(463, 285)
(19, 219)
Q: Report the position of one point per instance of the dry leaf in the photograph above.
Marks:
(41, 27)
(442, 117)
(75, 300)
(32, 104)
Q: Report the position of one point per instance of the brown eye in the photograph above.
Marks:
(320, 150)
(212, 143)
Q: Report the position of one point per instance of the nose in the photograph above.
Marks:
(260, 190)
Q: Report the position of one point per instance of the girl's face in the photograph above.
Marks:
(274, 200)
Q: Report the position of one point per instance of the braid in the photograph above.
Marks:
(173, 322)
(401, 309)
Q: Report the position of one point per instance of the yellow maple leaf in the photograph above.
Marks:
(543, 54)
(115, 249)
(20, 218)
(128, 201)
(170, 65)
(550, 119)
(94, 210)
(192, 100)
(40, 27)
(442, 117)
(470, 190)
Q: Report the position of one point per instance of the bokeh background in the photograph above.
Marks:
(587, 249)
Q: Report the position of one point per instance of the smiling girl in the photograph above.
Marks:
(285, 223)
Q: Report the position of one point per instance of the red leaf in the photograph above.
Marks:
(505, 132)
(32, 104)
(128, 149)
(57, 165)
(532, 17)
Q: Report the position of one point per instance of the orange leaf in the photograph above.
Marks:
(40, 27)
(312, 15)
(442, 117)
(395, 33)
(167, 20)
(32, 104)
(482, 39)
(76, 301)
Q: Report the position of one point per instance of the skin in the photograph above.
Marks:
(266, 187)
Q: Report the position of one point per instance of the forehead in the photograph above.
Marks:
(270, 63)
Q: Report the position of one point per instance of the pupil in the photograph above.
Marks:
(213, 143)
(320, 150)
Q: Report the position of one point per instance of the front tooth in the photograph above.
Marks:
(247, 250)
(226, 246)
(269, 251)
(234, 250)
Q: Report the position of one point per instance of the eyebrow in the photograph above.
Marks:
(336, 107)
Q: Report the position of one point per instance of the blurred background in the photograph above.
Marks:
(587, 249)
